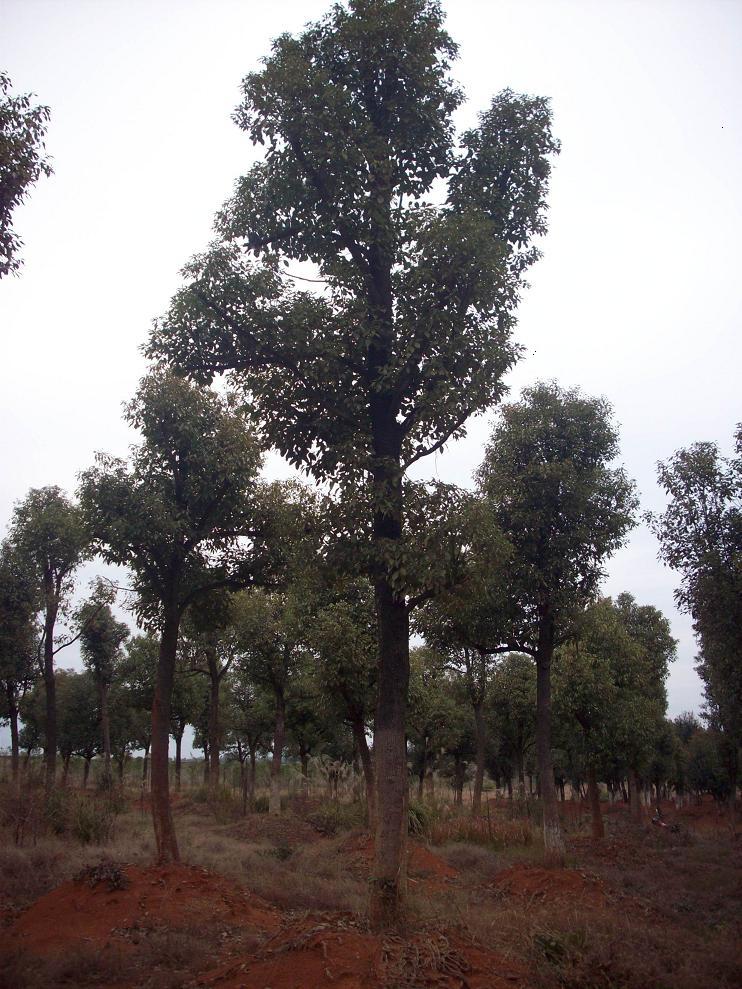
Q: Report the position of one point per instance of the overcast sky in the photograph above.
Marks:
(636, 298)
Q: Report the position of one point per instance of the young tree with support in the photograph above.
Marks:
(187, 514)
(420, 242)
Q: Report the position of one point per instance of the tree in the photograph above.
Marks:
(187, 515)
(700, 535)
(101, 640)
(512, 712)
(409, 334)
(22, 162)
(19, 604)
(548, 479)
(49, 532)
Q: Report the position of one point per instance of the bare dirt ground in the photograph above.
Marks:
(266, 903)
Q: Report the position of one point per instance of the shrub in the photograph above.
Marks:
(331, 818)
(91, 821)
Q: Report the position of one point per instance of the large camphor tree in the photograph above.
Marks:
(420, 241)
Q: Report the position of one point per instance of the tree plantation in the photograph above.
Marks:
(363, 726)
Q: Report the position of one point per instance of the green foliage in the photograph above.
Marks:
(337, 816)
(420, 818)
(22, 162)
(101, 637)
(700, 534)
(179, 512)
(91, 820)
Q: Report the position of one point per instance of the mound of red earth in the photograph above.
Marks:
(536, 882)
(422, 863)
(88, 913)
(336, 953)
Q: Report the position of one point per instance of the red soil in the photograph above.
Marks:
(306, 957)
(553, 884)
(422, 863)
(177, 896)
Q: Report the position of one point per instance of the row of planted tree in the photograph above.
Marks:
(412, 244)
(276, 642)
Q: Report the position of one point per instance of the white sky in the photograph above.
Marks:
(634, 299)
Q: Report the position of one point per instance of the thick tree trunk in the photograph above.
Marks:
(106, 731)
(213, 664)
(50, 732)
(162, 818)
(554, 849)
(364, 753)
(388, 880)
(481, 743)
(279, 737)
(15, 751)
(598, 831)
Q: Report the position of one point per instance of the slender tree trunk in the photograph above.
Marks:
(214, 753)
(521, 776)
(251, 784)
(120, 763)
(598, 831)
(509, 785)
(105, 729)
(15, 751)
(85, 772)
(205, 748)
(178, 758)
(145, 764)
(162, 818)
(50, 733)
(65, 769)
(635, 804)
(364, 753)
(304, 759)
(389, 880)
(279, 736)
(481, 743)
(423, 767)
(553, 840)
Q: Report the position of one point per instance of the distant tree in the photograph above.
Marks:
(187, 515)
(251, 720)
(271, 645)
(548, 478)
(22, 162)
(342, 637)
(79, 720)
(101, 639)
(700, 535)
(512, 711)
(431, 709)
(19, 604)
(49, 532)
(410, 335)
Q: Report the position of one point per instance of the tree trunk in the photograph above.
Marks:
(15, 751)
(50, 733)
(359, 735)
(162, 818)
(65, 769)
(304, 758)
(481, 742)
(145, 765)
(251, 783)
(106, 731)
(389, 880)
(85, 772)
(521, 777)
(554, 849)
(423, 767)
(279, 736)
(635, 805)
(213, 664)
(598, 831)
(178, 758)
